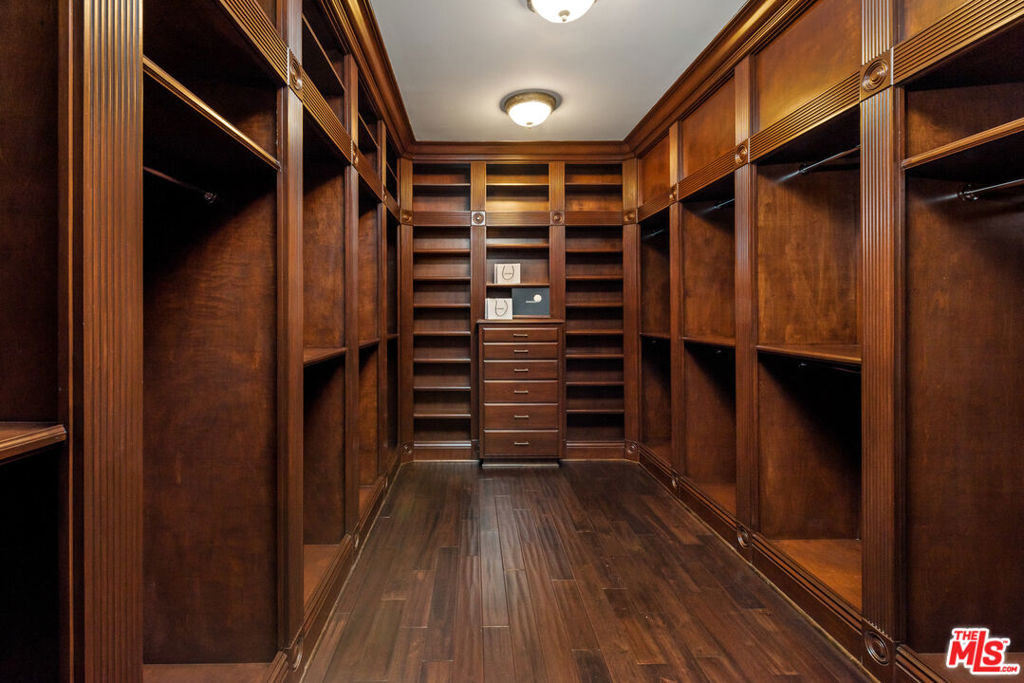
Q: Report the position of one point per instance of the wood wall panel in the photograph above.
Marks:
(710, 131)
(916, 15)
(817, 51)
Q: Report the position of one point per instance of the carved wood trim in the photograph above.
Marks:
(876, 75)
(326, 119)
(828, 104)
(717, 169)
(259, 30)
(960, 28)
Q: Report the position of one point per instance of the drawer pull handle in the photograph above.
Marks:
(520, 350)
(520, 334)
(520, 391)
(520, 369)
(520, 417)
(520, 443)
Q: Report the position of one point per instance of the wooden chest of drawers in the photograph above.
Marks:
(521, 393)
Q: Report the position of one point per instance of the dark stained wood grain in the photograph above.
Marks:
(709, 271)
(710, 131)
(609, 580)
(210, 426)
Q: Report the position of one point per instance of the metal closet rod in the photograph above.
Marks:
(654, 234)
(208, 197)
(807, 168)
(970, 194)
(722, 205)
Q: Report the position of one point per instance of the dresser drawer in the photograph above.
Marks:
(521, 392)
(521, 334)
(525, 351)
(521, 416)
(513, 369)
(526, 444)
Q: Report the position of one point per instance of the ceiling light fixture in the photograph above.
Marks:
(560, 11)
(529, 109)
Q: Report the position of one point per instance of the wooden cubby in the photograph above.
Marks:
(591, 188)
(198, 45)
(369, 132)
(323, 469)
(709, 414)
(371, 214)
(31, 574)
(808, 245)
(656, 406)
(964, 323)
(810, 467)
(655, 271)
(517, 188)
(210, 371)
(654, 178)
(368, 424)
(528, 246)
(323, 57)
(440, 188)
(709, 266)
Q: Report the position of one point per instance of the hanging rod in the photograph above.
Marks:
(654, 234)
(970, 194)
(722, 205)
(807, 168)
(208, 197)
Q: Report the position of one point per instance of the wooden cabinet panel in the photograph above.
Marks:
(520, 392)
(521, 444)
(516, 334)
(522, 416)
(511, 369)
(520, 351)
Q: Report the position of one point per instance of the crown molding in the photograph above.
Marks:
(611, 151)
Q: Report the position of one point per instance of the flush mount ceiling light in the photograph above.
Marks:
(560, 11)
(529, 109)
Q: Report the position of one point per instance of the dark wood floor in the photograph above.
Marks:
(591, 572)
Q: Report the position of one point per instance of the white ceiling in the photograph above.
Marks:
(456, 59)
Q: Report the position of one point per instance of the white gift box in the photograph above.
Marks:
(506, 273)
(499, 309)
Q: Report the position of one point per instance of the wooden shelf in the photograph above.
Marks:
(17, 438)
(521, 284)
(431, 387)
(442, 333)
(593, 250)
(416, 185)
(595, 304)
(442, 278)
(517, 246)
(312, 356)
(518, 184)
(442, 416)
(711, 340)
(595, 383)
(656, 335)
(593, 278)
(600, 185)
(836, 562)
(449, 252)
(443, 361)
(995, 134)
(441, 306)
(593, 333)
(595, 411)
(836, 353)
(368, 343)
(593, 356)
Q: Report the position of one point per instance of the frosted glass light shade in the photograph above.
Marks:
(560, 11)
(529, 109)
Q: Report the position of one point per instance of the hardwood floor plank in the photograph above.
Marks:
(498, 659)
(468, 653)
(379, 643)
(436, 672)
(590, 667)
(495, 605)
(441, 624)
(407, 661)
(526, 649)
